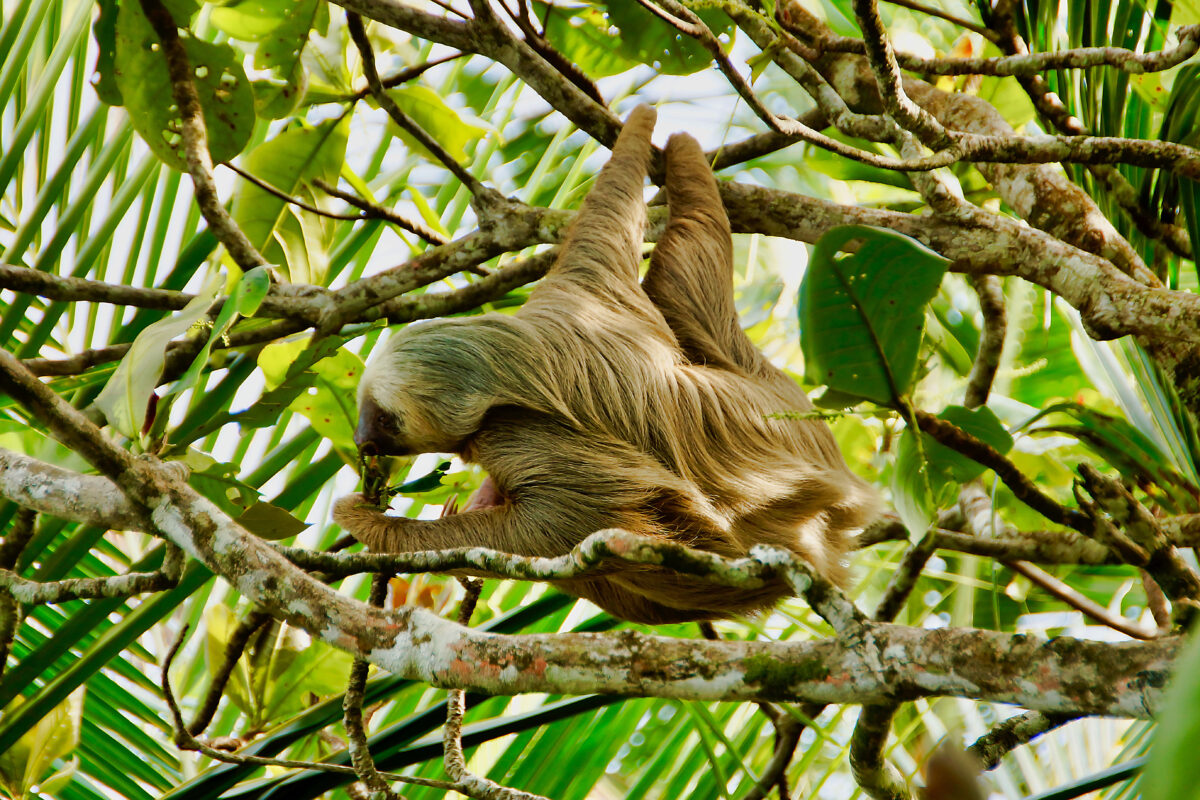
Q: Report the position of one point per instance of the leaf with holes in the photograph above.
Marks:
(862, 315)
(142, 81)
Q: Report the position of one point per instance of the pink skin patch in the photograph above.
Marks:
(486, 496)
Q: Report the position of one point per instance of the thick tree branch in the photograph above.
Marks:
(419, 645)
(1039, 194)
(62, 493)
(1030, 64)
(71, 289)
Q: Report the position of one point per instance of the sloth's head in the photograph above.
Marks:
(424, 392)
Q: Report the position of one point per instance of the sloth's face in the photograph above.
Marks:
(380, 432)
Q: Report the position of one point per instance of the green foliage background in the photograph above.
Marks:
(85, 192)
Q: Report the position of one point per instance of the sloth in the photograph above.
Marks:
(609, 403)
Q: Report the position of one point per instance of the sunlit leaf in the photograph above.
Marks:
(30, 759)
(124, 398)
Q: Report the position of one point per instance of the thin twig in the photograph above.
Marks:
(541, 45)
(375, 211)
(290, 199)
(1025, 490)
(408, 73)
(352, 711)
(453, 757)
(1079, 601)
(358, 34)
(442, 4)
(234, 648)
(1157, 602)
(904, 578)
(979, 519)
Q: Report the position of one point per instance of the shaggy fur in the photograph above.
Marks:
(604, 403)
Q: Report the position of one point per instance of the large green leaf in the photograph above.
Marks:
(585, 36)
(862, 314)
(144, 85)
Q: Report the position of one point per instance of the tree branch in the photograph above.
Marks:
(195, 139)
(991, 342)
(1014, 732)
(872, 772)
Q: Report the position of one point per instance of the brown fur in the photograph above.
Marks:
(604, 403)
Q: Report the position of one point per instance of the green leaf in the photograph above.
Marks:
(1173, 770)
(125, 396)
(1185, 12)
(218, 481)
(862, 314)
(331, 413)
(911, 491)
(288, 371)
(55, 736)
(290, 162)
(247, 295)
(653, 41)
(1127, 449)
(928, 477)
(145, 87)
(251, 20)
(585, 37)
(278, 96)
(269, 521)
(427, 482)
(280, 50)
(304, 667)
(430, 112)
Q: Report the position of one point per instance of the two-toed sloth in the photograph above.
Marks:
(605, 403)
